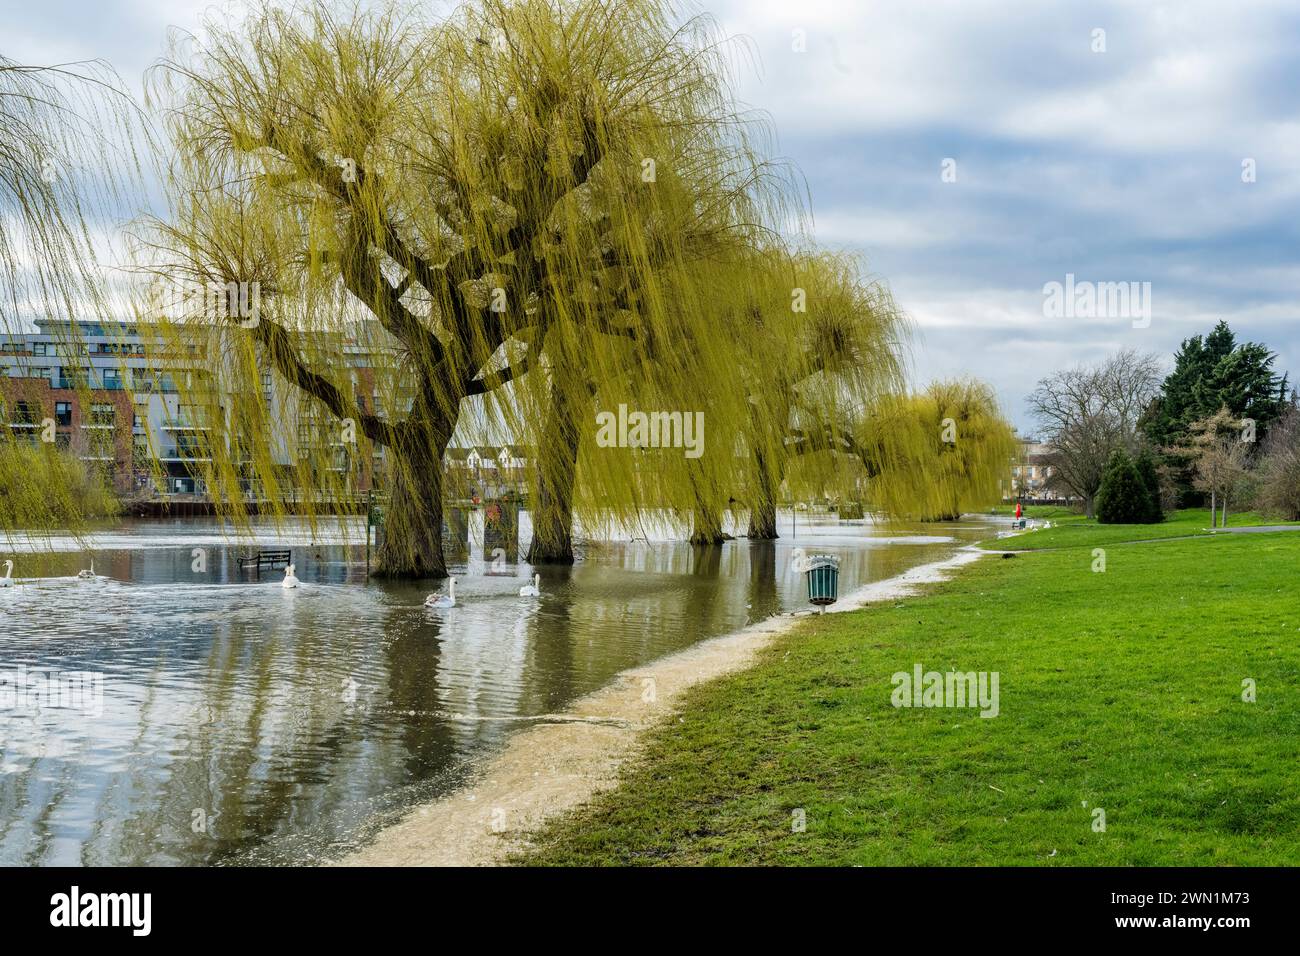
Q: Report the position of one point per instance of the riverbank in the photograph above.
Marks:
(566, 759)
(1146, 715)
(1076, 531)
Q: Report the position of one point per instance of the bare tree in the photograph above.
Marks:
(1220, 459)
(1089, 412)
(1279, 469)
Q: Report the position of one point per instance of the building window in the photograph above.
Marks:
(78, 378)
(26, 413)
(103, 414)
(188, 446)
(63, 413)
(193, 416)
(100, 444)
(40, 348)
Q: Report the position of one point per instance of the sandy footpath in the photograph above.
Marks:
(564, 759)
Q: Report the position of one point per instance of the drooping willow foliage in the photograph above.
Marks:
(832, 343)
(388, 231)
(937, 453)
(45, 490)
(70, 141)
(425, 211)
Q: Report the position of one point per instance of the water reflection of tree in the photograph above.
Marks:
(550, 636)
(764, 594)
(708, 601)
(277, 748)
(414, 657)
(44, 829)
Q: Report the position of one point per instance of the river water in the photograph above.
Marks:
(176, 710)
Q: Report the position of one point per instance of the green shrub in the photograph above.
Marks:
(1125, 497)
(1146, 469)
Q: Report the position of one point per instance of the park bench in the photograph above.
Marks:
(266, 559)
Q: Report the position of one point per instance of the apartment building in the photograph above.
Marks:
(115, 395)
(119, 395)
(89, 387)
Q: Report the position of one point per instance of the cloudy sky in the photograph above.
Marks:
(1107, 140)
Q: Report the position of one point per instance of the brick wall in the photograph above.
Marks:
(39, 393)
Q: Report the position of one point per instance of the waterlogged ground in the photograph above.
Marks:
(174, 710)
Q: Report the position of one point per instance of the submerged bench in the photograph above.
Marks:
(266, 559)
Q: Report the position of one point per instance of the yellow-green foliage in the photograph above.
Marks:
(937, 453)
(814, 372)
(493, 225)
(55, 123)
(44, 489)
(521, 186)
(68, 137)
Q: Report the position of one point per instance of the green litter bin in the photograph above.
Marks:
(823, 580)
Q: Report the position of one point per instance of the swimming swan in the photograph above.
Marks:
(7, 581)
(290, 581)
(85, 575)
(438, 599)
(534, 589)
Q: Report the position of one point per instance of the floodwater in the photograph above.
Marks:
(176, 710)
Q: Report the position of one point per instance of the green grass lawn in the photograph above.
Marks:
(1076, 531)
(1119, 690)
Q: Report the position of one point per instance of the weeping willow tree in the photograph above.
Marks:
(673, 407)
(825, 341)
(798, 374)
(68, 138)
(479, 221)
(934, 454)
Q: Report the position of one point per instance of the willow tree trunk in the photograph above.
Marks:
(557, 468)
(411, 546)
(762, 514)
(707, 526)
(762, 521)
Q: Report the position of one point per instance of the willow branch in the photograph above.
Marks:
(283, 353)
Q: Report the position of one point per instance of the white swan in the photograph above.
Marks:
(438, 599)
(798, 561)
(7, 581)
(290, 580)
(85, 575)
(534, 589)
